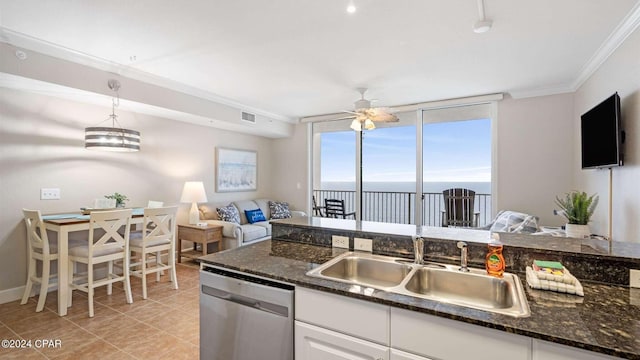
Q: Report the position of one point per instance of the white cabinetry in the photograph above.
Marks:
(446, 339)
(544, 350)
(336, 327)
(315, 343)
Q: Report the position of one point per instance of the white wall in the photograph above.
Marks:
(289, 168)
(535, 154)
(621, 73)
(42, 145)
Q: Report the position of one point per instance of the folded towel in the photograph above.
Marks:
(569, 283)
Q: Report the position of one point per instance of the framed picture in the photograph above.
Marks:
(237, 170)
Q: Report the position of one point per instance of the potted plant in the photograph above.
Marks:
(119, 198)
(577, 207)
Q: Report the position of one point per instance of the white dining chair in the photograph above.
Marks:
(154, 204)
(104, 203)
(158, 238)
(39, 250)
(109, 247)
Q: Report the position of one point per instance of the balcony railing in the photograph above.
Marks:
(399, 207)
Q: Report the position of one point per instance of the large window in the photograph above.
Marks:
(376, 171)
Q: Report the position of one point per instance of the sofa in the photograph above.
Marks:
(243, 232)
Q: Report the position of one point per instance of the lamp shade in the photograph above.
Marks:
(193, 192)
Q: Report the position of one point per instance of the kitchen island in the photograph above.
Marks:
(605, 321)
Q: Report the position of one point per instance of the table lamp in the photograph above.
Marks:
(193, 192)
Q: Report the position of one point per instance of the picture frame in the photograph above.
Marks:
(236, 170)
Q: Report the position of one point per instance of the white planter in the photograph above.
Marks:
(577, 231)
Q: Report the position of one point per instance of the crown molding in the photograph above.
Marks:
(628, 25)
(27, 42)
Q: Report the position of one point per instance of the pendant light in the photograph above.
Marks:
(112, 138)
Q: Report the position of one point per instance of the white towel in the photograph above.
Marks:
(569, 285)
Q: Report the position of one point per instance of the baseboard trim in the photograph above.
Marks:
(10, 295)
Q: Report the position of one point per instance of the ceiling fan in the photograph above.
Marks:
(365, 115)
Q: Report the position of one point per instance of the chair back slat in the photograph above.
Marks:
(110, 222)
(335, 208)
(459, 207)
(36, 230)
(159, 223)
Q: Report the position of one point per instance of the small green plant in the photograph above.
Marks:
(577, 207)
(119, 198)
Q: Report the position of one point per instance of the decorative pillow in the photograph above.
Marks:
(254, 216)
(279, 210)
(229, 213)
(514, 222)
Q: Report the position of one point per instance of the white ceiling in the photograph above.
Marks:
(298, 58)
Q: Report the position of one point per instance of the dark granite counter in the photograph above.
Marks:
(606, 320)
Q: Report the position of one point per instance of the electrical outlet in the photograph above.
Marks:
(634, 278)
(340, 241)
(49, 194)
(363, 244)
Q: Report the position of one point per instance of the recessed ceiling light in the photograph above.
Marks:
(351, 8)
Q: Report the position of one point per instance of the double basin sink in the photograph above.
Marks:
(439, 282)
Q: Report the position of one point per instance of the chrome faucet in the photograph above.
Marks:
(418, 250)
(464, 256)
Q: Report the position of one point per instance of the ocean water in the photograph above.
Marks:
(427, 187)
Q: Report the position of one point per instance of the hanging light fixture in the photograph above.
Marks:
(112, 138)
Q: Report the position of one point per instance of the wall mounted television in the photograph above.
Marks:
(602, 135)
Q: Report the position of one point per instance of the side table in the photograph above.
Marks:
(203, 235)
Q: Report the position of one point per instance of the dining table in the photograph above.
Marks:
(63, 224)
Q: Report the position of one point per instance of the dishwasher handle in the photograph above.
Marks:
(265, 306)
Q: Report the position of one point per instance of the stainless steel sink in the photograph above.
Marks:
(438, 282)
(369, 270)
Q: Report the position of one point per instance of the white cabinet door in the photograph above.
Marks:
(401, 355)
(445, 339)
(315, 343)
(363, 319)
(544, 350)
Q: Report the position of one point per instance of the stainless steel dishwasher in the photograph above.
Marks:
(244, 317)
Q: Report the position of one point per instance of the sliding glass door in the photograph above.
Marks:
(397, 172)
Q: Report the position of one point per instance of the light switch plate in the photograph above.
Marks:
(363, 244)
(340, 241)
(634, 278)
(49, 194)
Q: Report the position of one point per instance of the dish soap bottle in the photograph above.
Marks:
(495, 263)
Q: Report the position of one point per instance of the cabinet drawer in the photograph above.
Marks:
(355, 317)
(312, 342)
(445, 339)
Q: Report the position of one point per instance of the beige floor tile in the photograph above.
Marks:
(21, 354)
(71, 342)
(95, 350)
(118, 330)
(149, 311)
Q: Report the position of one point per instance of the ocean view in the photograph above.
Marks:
(399, 186)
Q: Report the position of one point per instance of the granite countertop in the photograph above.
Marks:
(606, 320)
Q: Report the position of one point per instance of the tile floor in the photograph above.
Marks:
(165, 326)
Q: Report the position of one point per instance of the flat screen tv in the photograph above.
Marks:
(602, 135)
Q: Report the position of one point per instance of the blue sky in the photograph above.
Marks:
(453, 151)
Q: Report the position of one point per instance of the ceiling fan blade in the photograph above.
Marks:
(384, 117)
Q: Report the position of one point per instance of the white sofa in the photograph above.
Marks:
(235, 235)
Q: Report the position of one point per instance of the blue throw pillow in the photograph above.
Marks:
(254, 216)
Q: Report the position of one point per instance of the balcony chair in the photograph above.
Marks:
(334, 208)
(459, 208)
(157, 237)
(110, 247)
(317, 210)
